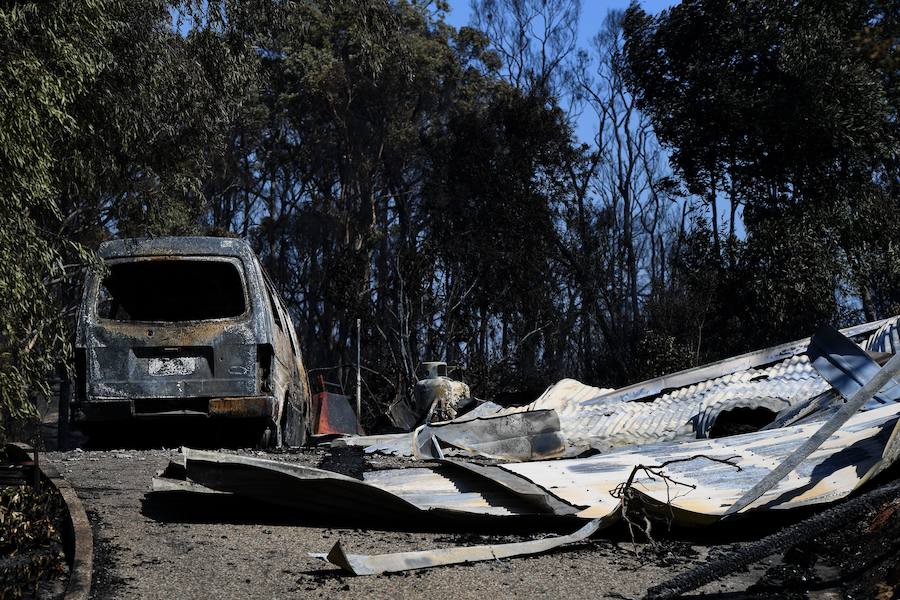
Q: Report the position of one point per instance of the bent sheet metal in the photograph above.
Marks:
(711, 475)
(691, 482)
(361, 564)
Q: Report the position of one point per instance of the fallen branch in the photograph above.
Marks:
(625, 490)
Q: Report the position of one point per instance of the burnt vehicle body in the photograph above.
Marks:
(184, 327)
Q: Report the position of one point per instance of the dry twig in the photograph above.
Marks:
(626, 493)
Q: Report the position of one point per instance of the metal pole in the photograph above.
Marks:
(358, 376)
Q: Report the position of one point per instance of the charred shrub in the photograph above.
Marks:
(30, 542)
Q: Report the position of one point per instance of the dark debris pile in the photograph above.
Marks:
(31, 550)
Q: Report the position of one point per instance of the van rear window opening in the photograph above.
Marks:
(171, 290)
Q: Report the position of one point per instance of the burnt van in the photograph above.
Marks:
(187, 328)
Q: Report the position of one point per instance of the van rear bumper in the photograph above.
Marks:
(116, 409)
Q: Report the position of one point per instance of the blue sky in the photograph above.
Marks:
(592, 14)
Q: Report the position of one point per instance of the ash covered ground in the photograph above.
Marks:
(150, 547)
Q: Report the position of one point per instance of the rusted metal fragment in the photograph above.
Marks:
(252, 407)
(334, 415)
(531, 435)
(362, 564)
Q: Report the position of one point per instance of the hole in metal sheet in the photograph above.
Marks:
(741, 420)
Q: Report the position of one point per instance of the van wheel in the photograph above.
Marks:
(293, 425)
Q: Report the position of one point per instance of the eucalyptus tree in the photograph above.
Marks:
(52, 51)
(786, 109)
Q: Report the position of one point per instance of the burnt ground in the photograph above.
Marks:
(147, 548)
(31, 547)
(181, 547)
(859, 560)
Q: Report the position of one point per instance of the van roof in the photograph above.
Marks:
(176, 246)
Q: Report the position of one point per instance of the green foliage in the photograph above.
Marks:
(51, 52)
(389, 167)
(154, 121)
(736, 90)
(790, 111)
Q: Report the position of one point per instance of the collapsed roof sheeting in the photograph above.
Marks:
(447, 489)
(774, 379)
(690, 481)
(886, 339)
(709, 475)
(526, 435)
(704, 477)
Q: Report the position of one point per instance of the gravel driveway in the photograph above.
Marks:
(179, 549)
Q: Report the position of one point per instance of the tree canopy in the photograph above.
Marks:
(739, 188)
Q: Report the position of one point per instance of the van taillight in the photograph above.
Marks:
(264, 357)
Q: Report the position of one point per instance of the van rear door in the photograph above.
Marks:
(172, 327)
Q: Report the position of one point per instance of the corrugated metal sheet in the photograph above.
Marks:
(886, 338)
(776, 378)
(441, 490)
(361, 564)
(838, 467)
(704, 477)
(813, 457)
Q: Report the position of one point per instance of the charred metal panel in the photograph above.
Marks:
(172, 248)
(333, 415)
(529, 435)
